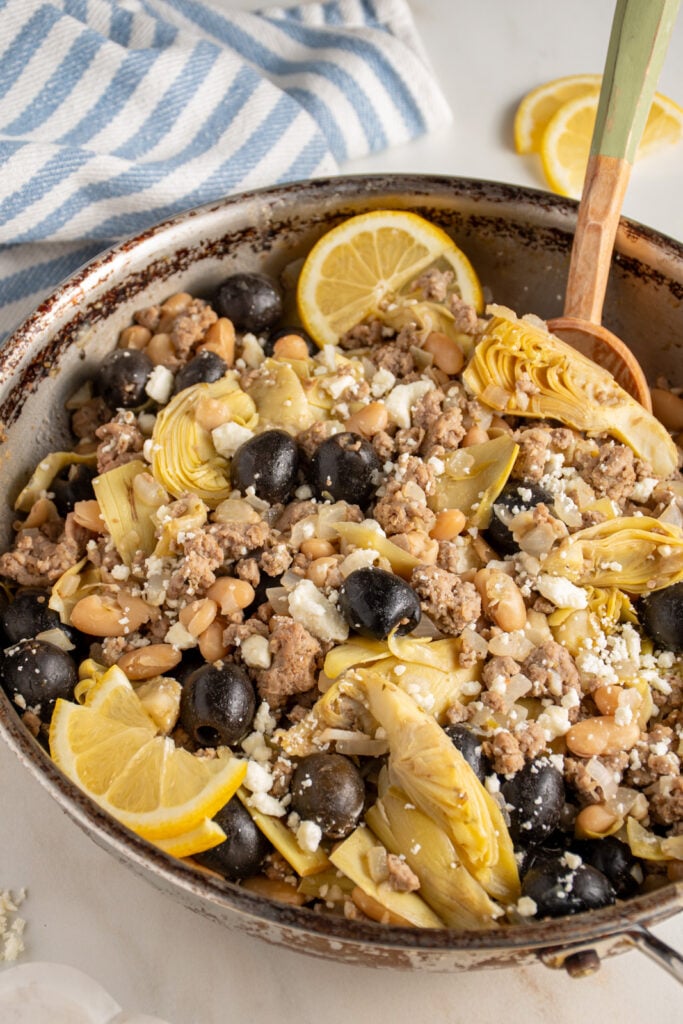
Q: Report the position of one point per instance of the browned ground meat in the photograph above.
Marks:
(464, 316)
(363, 335)
(450, 602)
(37, 560)
(190, 327)
(401, 877)
(427, 409)
(499, 668)
(309, 439)
(294, 667)
(91, 415)
(553, 672)
(666, 805)
(238, 539)
(614, 474)
(120, 442)
(447, 431)
(503, 751)
(534, 444)
(202, 555)
(394, 358)
(403, 507)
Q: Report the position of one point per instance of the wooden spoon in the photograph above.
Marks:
(638, 43)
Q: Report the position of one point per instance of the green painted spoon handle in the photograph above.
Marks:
(640, 35)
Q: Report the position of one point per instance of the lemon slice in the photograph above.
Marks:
(365, 261)
(110, 748)
(567, 138)
(204, 837)
(538, 106)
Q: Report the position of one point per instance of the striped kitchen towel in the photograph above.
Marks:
(115, 114)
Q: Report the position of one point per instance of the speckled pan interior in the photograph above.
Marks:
(519, 242)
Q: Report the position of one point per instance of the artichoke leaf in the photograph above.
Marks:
(474, 477)
(45, 472)
(304, 862)
(169, 528)
(425, 316)
(362, 536)
(438, 780)
(340, 707)
(356, 651)
(280, 399)
(351, 858)
(649, 846)
(76, 582)
(638, 554)
(445, 884)
(518, 368)
(126, 510)
(183, 454)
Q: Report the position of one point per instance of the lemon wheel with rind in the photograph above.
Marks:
(369, 260)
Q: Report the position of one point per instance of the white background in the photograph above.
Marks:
(155, 957)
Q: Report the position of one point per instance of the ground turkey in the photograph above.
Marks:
(553, 673)
(448, 601)
(37, 560)
(120, 442)
(294, 667)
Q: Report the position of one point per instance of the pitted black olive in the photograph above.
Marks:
(329, 790)
(121, 378)
(36, 673)
(515, 497)
(661, 616)
(251, 301)
(268, 462)
(75, 484)
(614, 859)
(374, 602)
(469, 745)
(204, 368)
(345, 467)
(217, 705)
(284, 332)
(535, 797)
(559, 889)
(28, 615)
(242, 853)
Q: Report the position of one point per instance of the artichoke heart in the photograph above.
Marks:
(638, 554)
(362, 536)
(183, 454)
(190, 516)
(127, 507)
(45, 472)
(518, 368)
(426, 317)
(474, 477)
(425, 764)
(445, 884)
(304, 862)
(279, 398)
(77, 581)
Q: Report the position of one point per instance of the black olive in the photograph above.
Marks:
(661, 616)
(217, 705)
(614, 859)
(121, 378)
(72, 486)
(469, 745)
(374, 602)
(558, 889)
(242, 853)
(265, 582)
(535, 797)
(268, 462)
(28, 615)
(38, 672)
(515, 497)
(204, 368)
(329, 790)
(345, 467)
(251, 301)
(284, 332)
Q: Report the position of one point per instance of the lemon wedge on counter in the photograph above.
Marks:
(368, 260)
(110, 748)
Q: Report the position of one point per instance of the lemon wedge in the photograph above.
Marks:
(565, 144)
(366, 261)
(110, 748)
(538, 107)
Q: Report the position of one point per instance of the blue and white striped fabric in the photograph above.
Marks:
(115, 114)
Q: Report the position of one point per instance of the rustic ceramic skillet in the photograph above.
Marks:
(519, 242)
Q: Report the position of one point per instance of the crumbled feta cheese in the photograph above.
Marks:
(267, 804)
(361, 558)
(308, 836)
(382, 382)
(255, 651)
(255, 747)
(403, 398)
(180, 637)
(554, 721)
(159, 384)
(252, 353)
(228, 437)
(120, 572)
(310, 607)
(562, 592)
(258, 779)
(263, 720)
(525, 906)
(623, 715)
(11, 926)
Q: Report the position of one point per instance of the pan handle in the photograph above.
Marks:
(657, 950)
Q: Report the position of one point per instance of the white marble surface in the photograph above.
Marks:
(85, 910)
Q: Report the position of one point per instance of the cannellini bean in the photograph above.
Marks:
(320, 568)
(98, 615)
(176, 303)
(212, 412)
(147, 662)
(668, 408)
(475, 435)
(609, 698)
(368, 420)
(198, 615)
(601, 735)
(449, 524)
(135, 336)
(220, 338)
(211, 645)
(501, 599)
(231, 594)
(446, 352)
(160, 350)
(290, 346)
(317, 548)
(594, 820)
